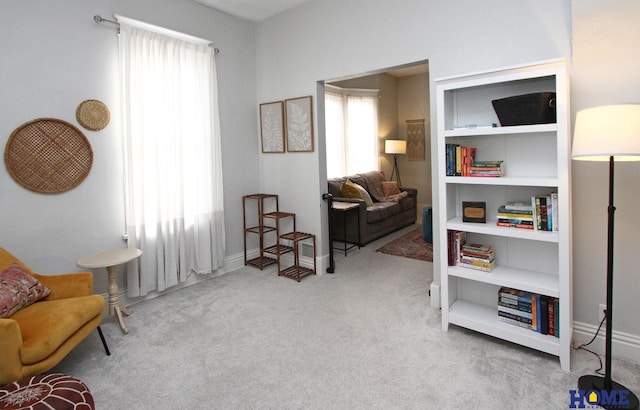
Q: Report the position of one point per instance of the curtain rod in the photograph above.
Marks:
(99, 19)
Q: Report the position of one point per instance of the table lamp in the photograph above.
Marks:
(608, 133)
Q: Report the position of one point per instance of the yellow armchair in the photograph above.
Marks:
(36, 338)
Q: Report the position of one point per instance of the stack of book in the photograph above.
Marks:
(486, 169)
(541, 213)
(459, 159)
(539, 313)
(476, 256)
(516, 215)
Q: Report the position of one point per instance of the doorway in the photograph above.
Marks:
(403, 101)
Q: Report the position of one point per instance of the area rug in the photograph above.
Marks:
(410, 245)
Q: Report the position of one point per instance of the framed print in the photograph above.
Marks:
(299, 124)
(272, 127)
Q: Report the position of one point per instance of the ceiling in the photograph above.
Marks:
(258, 10)
(253, 10)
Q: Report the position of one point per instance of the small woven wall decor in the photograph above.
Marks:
(93, 115)
(48, 155)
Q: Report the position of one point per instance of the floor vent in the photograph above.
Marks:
(307, 250)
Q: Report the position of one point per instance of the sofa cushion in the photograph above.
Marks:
(46, 325)
(382, 210)
(376, 213)
(18, 289)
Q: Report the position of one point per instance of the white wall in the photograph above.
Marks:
(606, 67)
(54, 56)
(334, 38)
(413, 104)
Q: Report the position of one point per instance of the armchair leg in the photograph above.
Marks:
(104, 342)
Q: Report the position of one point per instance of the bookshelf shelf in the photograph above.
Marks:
(484, 319)
(536, 162)
(506, 180)
(511, 277)
(513, 130)
(490, 228)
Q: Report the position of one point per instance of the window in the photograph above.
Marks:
(173, 166)
(351, 120)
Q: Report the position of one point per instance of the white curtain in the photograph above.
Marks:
(173, 165)
(351, 121)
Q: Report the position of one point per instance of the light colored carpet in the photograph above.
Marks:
(362, 338)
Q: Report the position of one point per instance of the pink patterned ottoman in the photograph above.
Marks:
(47, 391)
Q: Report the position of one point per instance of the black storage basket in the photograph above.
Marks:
(536, 108)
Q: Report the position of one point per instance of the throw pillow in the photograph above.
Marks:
(348, 190)
(365, 195)
(352, 190)
(390, 188)
(18, 290)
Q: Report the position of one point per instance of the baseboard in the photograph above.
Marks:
(623, 345)
(231, 263)
(434, 293)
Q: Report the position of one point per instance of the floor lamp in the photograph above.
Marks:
(395, 147)
(608, 133)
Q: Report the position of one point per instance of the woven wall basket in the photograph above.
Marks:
(48, 155)
(93, 115)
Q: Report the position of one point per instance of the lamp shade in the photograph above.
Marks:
(395, 147)
(611, 130)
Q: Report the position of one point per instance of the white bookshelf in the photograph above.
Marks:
(536, 162)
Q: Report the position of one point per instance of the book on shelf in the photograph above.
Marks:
(514, 320)
(517, 206)
(486, 266)
(461, 161)
(545, 212)
(514, 225)
(540, 312)
(455, 240)
(477, 248)
(475, 126)
(486, 169)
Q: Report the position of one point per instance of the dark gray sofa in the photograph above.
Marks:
(375, 221)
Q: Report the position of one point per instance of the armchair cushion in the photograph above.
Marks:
(18, 289)
(58, 320)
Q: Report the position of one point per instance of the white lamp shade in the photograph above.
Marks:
(611, 130)
(395, 147)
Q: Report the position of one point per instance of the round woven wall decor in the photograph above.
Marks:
(48, 155)
(93, 115)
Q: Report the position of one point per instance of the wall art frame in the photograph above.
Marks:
(272, 127)
(299, 124)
